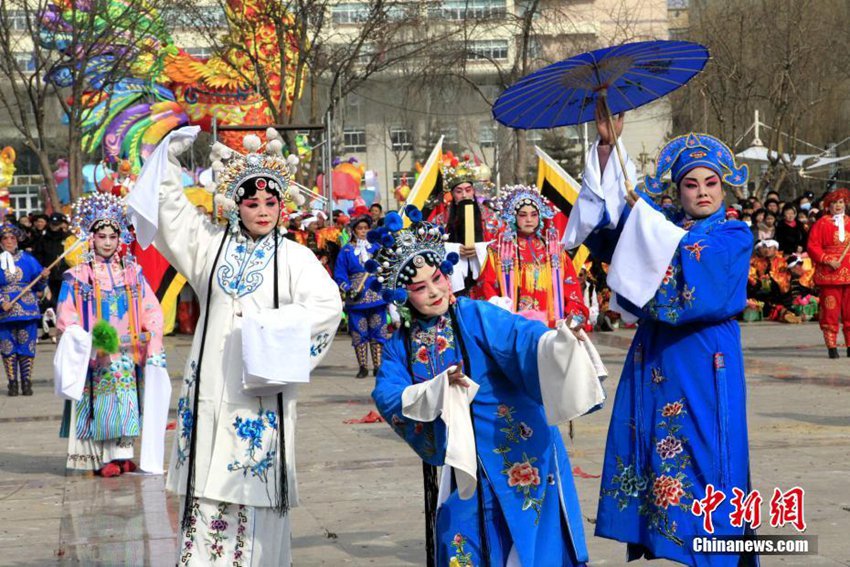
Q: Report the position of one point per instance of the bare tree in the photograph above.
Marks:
(73, 53)
(785, 59)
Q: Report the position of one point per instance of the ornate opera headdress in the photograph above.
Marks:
(403, 251)
(236, 172)
(469, 170)
(96, 210)
(515, 197)
(684, 153)
(13, 229)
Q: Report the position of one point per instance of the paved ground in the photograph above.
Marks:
(361, 487)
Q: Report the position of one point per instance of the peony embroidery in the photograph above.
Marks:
(668, 447)
(251, 432)
(667, 491)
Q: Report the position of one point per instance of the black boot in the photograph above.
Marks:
(848, 352)
(375, 371)
(26, 387)
(363, 372)
(833, 352)
(13, 387)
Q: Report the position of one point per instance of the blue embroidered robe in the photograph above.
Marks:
(525, 476)
(367, 311)
(679, 417)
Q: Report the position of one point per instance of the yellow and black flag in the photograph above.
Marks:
(562, 190)
(430, 180)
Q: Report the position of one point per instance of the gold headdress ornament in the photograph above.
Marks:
(468, 170)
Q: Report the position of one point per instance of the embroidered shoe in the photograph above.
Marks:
(109, 470)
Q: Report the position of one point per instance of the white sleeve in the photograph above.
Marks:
(162, 214)
(569, 381)
(643, 254)
(436, 398)
(312, 287)
(599, 194)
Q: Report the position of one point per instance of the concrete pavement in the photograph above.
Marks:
(361, 488)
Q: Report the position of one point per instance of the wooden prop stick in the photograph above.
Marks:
(50, 267)
(629, 189)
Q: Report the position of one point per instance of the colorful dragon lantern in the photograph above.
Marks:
(166, 87)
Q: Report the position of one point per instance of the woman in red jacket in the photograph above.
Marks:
(829, 242)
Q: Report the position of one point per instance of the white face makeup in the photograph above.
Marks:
(105, 242)
(8, 242)
(527, 220)
(701, 192)
(430, 291)
(260, 213)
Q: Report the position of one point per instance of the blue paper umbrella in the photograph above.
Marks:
(629, 75)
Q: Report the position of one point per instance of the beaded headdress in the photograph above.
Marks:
(403, 251)
(261, 170)
(13, 229)
(98, 209)
(685, 153)
(515, 197)
(456, 171)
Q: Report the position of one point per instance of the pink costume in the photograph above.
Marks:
(103, 428)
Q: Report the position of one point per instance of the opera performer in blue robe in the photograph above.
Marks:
(477, 390)
(679, 421)
(367, 311)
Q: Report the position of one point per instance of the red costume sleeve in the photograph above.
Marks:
(817, 237)
(488, 281)
(573, 296)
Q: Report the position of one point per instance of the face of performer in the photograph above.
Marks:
(9, 242)
(837, 207)
(361, 230)
(463, 192)
(105, 242)
(527, 220)
(701, 192)
(429, 292)
(259, 213)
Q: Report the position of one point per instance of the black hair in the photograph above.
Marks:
(103, 223)
(249, 188)
(789, 207)
(373, 205)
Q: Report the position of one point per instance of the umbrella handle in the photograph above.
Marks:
(629, 188)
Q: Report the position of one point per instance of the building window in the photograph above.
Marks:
(16, 20)
(534, 136)
(25, 61)
(212, 17)
(24, 199)
(354, 140)
(199, 52)
(449, 133)
(468, 9)
(401, 139)
(399, 175)
(350, 13)
(489, 49)
(486, 134)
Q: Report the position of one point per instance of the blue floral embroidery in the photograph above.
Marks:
(320, 343)
(241, 271)
(251, 431)
(157, 360)
(185, 417)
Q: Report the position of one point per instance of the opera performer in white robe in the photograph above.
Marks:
(233, 459)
